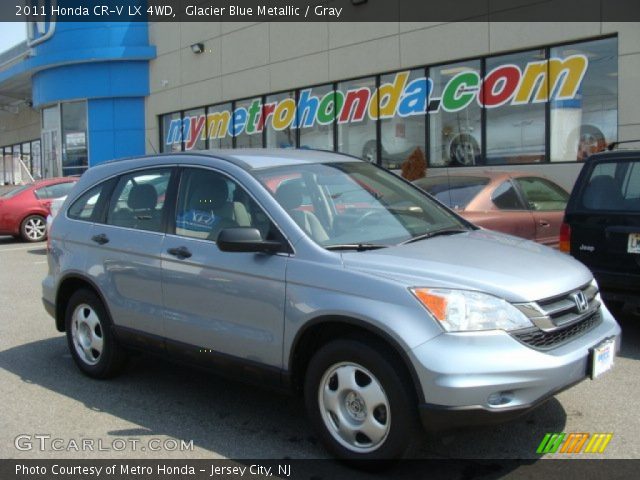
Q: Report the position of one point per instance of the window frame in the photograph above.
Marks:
(174, 190)
(115, 181)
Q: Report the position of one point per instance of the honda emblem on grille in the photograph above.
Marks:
(580, 301)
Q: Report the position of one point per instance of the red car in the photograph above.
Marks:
(23, 210)
(521, 204)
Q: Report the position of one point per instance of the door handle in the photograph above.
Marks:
(544, 223)
(100, 239)
(180, 252)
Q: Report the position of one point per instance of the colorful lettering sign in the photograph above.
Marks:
(539, 81)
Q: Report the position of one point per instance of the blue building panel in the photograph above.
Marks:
(116, 128)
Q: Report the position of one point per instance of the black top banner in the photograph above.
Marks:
(319, 10)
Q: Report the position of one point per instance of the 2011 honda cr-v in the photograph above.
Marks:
(325, 275)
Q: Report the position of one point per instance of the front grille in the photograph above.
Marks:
(561, 318)
(542, 340)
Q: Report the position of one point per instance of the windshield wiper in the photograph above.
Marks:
(359, 247)
(435, 233)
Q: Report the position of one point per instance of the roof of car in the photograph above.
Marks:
(258, 158)
(613, 154)
(496, 175)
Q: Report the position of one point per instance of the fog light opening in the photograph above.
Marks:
(497, 399)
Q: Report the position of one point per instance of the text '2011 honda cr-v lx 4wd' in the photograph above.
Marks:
(326, 275)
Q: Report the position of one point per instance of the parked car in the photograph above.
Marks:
(377, 304)
(521, 204)
(602, 224)
(23, 210)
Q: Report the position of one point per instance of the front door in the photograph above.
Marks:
(220, 304)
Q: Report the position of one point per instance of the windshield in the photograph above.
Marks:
(355, 204)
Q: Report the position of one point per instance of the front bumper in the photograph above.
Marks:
(479, 378)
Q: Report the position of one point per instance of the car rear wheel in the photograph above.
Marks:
(360, 402)
(33, 228)
(91, 340)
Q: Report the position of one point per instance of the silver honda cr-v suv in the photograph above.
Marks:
(327, 276)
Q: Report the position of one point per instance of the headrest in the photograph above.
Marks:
(289, 194)
(142, 197)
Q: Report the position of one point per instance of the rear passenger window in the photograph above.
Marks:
(138, 200)
(85, 206)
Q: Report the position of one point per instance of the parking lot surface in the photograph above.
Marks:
(156, 407)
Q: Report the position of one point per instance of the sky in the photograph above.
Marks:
(11, 34)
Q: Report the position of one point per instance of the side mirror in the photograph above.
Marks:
(245, 239)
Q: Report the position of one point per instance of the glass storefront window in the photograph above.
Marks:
(26, 157)
(316, 117)
(550, 104)
(219, 126)
(279, 113)
(356, 129)
(402, 122)
(36, 160)
(246, 123)
(455, 135)
(172, 132)
(7, 170)
(75, 159)
(587, 123)
(194, 129)
(515, 126)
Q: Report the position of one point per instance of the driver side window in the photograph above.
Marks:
(209, 202)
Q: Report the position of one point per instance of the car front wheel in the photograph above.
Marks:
(360, 401)
(91, 340)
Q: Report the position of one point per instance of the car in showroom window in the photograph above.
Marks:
(326, 276)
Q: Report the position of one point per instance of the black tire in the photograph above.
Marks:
(375, 358)
(81, 331)
(464, 151)
(33, 228)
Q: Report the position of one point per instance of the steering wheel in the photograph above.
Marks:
(366, 218)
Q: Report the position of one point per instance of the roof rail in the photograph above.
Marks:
(614, 145)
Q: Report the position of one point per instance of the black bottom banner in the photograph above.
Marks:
(315, 469)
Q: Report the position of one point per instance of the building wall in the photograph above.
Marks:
(245, 59)
(19, 127)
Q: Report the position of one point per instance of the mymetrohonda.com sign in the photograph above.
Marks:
(554, 79)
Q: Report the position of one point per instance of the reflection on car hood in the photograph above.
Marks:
(509, 267)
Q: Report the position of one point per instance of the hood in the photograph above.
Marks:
(508, 267)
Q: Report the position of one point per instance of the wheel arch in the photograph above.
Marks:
(323, 329)
(67, 286)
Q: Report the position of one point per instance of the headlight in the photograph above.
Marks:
(463, 310)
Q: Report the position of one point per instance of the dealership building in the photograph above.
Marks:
(470, 95)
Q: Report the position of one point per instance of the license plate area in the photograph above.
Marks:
(633, 245)
(602, 356)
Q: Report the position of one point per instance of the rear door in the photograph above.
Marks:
(513, 216)
(547, 202)
(125, 253)
(605, 221)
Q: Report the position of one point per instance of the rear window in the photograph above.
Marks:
(15, 191)
(455, 192)
(613, 185)
(54, 191)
